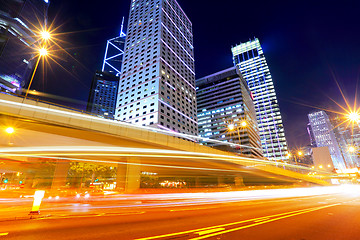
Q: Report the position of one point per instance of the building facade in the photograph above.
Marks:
(102, 97)
(324, 136)
(250, 59)
(104, 87)
(226, 112)
(21, 21)
(346, 137)
(157, 84)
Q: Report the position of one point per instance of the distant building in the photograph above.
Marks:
(250, 59)
(21, 21)
(102, 98)
(311, 135)
(224, 99)
(157, 84)
(322, 159)
(346, 135)
(324, 135)
(104, 87)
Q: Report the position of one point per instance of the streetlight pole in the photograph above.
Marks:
(231, 127)
(42, 52)
(32, 76)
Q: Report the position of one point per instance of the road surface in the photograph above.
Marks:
(329, 216)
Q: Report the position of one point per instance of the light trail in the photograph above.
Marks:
(136, 152)
(127, 163)
(253, 222)
(118, 123)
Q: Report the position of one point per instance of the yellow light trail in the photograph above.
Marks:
(119, 123)
(103, 151)
(126, 163)
(257, 221)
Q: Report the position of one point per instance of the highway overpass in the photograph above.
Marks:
(45, 132)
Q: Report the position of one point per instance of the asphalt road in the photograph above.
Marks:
(329, 217)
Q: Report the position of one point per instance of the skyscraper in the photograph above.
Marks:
(324, 135)
(20, 24)
(344, 134)
(102, 97)
(157, 84)
(226, 112)
(250, 59)
(104, 87)
(114, 53)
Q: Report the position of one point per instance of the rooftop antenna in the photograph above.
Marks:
(113, 53)
(122, 34)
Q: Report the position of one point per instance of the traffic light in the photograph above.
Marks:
(6, 180)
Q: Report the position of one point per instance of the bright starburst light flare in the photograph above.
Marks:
(10, 130)
(352, 149)
(43, 51)
(349, 113)
(45, 35)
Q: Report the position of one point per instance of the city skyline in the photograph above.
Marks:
(294, 48)
(182, 136)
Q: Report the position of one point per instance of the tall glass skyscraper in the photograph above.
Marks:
(250, 59)
(157, 84)
(324, 135)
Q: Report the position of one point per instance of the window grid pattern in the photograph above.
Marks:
(250, 59)
(157, 81)
(223, 98)
(324, 136)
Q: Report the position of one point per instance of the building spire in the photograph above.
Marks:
(122, 34)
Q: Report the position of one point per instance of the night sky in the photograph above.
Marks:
(309, 45)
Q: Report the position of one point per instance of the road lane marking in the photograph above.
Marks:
(89, 216)
(4, 234)
(190, 209)
(260, 220)
(210, 231)
(270, 220)
(271, 217)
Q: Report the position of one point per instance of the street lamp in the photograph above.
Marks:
(354, 117)
(231, 127)
(42, 52)
(45, 35)
(351, 149)
(243, 123)
(10, 130)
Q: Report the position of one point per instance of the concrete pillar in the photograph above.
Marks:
(60, 175)
(132, 175)
(128, 175)
(220, 181)
(121, 177)
(197, 182)
(239, 182)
